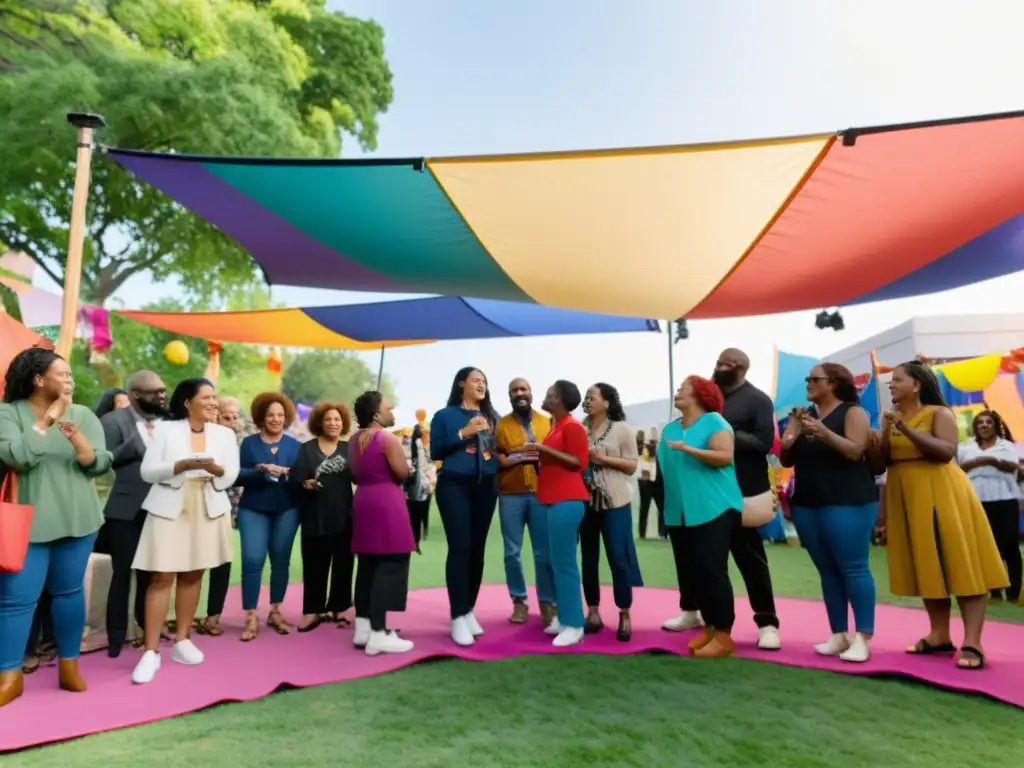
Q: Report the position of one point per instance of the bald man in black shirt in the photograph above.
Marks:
(751, 414)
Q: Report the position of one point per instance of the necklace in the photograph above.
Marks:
(196, 431)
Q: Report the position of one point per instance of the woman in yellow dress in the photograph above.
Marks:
(939, 542)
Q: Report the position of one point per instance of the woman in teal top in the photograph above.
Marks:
(56, 449)
(703, 504)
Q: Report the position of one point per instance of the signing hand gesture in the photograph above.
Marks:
(676, 445)
(533, 448)
(811, 426)
(596, 457)
(311, 484)
(55, 412)
(892, 418)
(476, 425)
(70, 430)
(795, 425)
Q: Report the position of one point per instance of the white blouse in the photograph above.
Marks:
(990, 483)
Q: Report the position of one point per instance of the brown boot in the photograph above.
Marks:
(720, 647)
(705, 637)
(547, 614)
(12, 685)
(520, 612)
(69, 678)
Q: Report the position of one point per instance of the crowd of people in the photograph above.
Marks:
(186, 475)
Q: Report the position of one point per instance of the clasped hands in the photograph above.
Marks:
(273, 469)
(803, 423)
(476, 425)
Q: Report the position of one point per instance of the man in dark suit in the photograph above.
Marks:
(128, 432)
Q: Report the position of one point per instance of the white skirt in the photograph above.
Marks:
(193, 542)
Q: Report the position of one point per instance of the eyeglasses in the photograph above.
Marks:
(809, 379)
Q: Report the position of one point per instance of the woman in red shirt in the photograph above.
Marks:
(562, 494)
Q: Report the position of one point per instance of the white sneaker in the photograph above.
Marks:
(147, 668)
(859, 650)
(186, 652)
(568, 636)
(834, 646)
(768, 639)
(461, 632)
(685, 621)
(362, 634)
(553, 628)
(474, 625)
(387, 642)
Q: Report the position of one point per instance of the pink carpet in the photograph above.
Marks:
(236, 671)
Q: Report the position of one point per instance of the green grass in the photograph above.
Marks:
(585, 711)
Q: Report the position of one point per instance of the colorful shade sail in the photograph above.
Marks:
(705, 231)
(389, 323)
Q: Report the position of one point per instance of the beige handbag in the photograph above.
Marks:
(758, 510)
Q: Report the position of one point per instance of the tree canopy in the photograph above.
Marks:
(324, 374)
(217, 77)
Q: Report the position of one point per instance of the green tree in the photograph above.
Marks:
(325, 374)
(218, 77)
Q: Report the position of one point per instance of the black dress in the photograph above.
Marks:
(326, 525)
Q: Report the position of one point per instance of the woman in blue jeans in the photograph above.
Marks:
(835, 504)
(268, 515)
(562, 495)
(54, 449)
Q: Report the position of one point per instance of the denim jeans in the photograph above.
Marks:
(466, 505)
(517, 512)
(60, 567)
(263, 534)
(838, 539)
(615, 526)
(563, 521)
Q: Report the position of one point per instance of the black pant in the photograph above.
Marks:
(618, 548)
(1004, 519)
(701, 554)
(41, 632)
(382, 585)
(467, 509)
(220, 579)
(419, 511)
(748, 551)
(322, 555)
(120, 539)
(649, 493)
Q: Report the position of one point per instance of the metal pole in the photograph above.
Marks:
(380, 369)
(671, 373)
(86, 125)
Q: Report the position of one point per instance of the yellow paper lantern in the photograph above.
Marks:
(176, 352)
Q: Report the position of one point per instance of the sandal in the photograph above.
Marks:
(593, 624)
(316, 622)
(970, 658)
(341, 620)
(252, 628)
(30, 665)
(208, 626)
(625, 631)
(47, 653)
(923, 648)
(277, 623)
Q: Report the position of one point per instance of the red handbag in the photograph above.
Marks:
(15, 526)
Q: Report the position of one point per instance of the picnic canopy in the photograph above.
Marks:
(388, 323)
(697, 231)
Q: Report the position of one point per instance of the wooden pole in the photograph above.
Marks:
(86, 124)
(380, 369)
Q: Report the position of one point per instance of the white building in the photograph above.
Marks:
(945, 337)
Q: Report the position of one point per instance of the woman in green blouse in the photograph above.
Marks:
(56, 449)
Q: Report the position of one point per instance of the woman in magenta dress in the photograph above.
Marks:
(381, 531)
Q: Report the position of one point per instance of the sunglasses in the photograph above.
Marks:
(809, 379)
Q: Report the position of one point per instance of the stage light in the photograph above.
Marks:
(826, 319)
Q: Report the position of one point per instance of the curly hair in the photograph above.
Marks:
(930, 392)
(611, 396)
(366, 406)
(569, 394)
(261, 404)
(19, 381)
(315, 422)
(1002, 430)
(707, 394)
(177, 408)
(843, 383)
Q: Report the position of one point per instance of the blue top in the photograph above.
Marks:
(473, 457)
(261, 494)
(695, 492)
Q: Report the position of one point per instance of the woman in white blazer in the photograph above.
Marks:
(191, 464)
